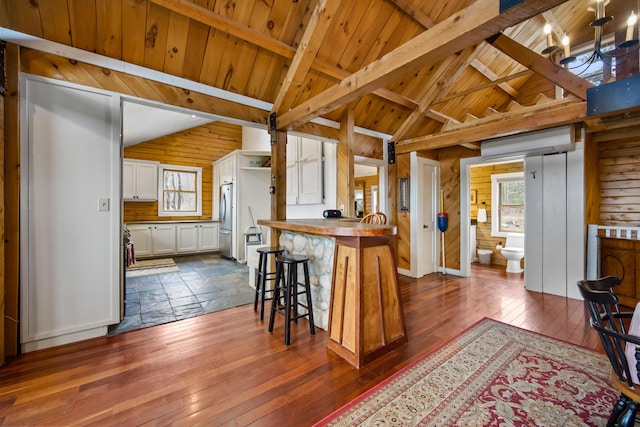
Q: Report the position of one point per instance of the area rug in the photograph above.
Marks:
(493, 374)
(152, 266)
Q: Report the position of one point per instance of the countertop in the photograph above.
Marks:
(336, 227)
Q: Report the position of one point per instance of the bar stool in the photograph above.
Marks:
(263, 276)
(287, 282)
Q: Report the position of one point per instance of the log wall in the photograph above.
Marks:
(200, 147)
(619, 171)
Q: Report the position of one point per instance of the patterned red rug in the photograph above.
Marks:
(492, 374)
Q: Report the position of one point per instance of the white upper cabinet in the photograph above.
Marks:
(139, 180)
(304, 171)
(227, 170)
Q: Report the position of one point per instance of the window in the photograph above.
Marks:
(179, 191)
(507, 199)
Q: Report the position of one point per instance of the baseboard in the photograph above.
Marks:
(64, 339)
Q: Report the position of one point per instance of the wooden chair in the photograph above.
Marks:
(611, 324)
(374, 218)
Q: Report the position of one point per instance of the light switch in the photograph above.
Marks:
(103, 204)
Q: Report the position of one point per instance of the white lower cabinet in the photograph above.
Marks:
(168, 238)
(201, 237)
(164, 239)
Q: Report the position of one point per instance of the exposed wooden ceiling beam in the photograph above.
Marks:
(488, 73)
(312, 38)
(468, 26)
(541, 65)
(418, 15)
(533, 118)
(212, 19)
(483, 86)
(443, 78)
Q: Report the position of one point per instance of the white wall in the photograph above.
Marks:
(255, 139)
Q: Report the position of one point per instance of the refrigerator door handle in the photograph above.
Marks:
(223, 207)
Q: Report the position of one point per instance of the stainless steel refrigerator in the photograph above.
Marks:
(226, 220)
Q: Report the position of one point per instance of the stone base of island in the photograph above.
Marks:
(354, 283)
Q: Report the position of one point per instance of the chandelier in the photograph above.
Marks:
(561, 55)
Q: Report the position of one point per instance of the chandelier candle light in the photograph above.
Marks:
(561, 56)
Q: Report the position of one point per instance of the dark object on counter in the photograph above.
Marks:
(332, 213)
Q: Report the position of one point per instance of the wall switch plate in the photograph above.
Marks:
(103, 204)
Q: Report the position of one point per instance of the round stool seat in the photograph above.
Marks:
(270, 250)
(292, 258)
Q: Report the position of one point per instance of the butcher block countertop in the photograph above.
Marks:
(336, 227)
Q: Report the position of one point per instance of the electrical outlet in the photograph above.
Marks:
(103, 204)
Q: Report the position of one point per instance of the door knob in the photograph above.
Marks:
(425, 226)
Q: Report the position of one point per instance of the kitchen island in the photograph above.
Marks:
(354, 283)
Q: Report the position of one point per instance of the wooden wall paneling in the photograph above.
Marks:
(11, 202)
(619, 176)
(591, 181)
(176, 43)
(212, 56)
(480, 180)
(55, 29)
(403, 219)
(365, 183)
(198, 147)
(449, 159)
(56, 67)
(534, 86)
(368, 146)
(195, 50)
(157, 32)
(134, 24)
(109, 27)
(25, 16)
(82, 17)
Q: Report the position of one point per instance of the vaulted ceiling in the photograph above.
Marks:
(414, 70)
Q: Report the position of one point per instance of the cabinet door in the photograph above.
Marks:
(142, 239)
(292, 169)
(147, 181)
(164, 239)
(227, 170)
(310, 179)
(208, 237)
(187, 237)
(128, 179)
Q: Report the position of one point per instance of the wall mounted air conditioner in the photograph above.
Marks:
(556, 140)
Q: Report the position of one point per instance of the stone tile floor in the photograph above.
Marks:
(204, 284)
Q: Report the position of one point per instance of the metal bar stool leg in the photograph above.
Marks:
(259, 282)
(287, 302)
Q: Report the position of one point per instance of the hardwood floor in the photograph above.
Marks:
(224, 368)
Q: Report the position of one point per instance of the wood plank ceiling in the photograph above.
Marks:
(411, 69)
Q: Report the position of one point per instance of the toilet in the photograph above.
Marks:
(513, 251)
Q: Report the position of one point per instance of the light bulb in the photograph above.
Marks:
(547, 30)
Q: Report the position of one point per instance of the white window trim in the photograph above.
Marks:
(198, 172)
(495, 179)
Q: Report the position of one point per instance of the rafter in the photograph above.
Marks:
(541, 65)
(468, 26)
(488, 73)
(523, 120)
(311, 40)
(418, 15)
(443, 79)
(483, 86)
(212, 19)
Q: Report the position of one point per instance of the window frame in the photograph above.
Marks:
(198, 171)
(496, 180)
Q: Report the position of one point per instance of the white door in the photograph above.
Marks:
(428, 213)
(70, 213)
